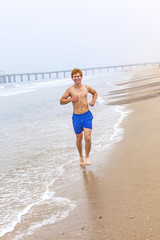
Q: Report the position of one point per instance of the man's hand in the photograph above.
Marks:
(92, 103)
(75, 98)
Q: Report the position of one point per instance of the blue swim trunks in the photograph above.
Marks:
(81, 121)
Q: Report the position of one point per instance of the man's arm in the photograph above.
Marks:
(94, 95)
(65, 98)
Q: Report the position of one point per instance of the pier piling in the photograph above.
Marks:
(62, 74)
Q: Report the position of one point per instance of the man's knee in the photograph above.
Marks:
(79, 138)
(87, 138)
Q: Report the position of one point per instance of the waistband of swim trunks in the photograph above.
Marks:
(74, 114)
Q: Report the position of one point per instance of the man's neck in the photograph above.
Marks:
(79, 85)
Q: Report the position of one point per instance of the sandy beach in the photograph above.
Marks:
(119, 197)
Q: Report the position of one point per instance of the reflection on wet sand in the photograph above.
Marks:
(95, 201)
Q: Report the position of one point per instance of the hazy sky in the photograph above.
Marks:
(43, 35)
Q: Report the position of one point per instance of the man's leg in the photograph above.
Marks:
(87, 137)
(79, 138)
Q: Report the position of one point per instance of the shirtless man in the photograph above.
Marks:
(82, 117)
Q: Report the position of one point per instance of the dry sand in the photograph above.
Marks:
(119, 196)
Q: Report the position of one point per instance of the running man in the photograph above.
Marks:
(82, 117)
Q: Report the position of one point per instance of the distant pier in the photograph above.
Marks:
(20, 77)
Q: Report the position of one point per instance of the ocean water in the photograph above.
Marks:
(37, 149)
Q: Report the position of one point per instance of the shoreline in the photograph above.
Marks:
(34, 217)
(120, 198)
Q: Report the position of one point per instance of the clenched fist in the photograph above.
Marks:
(91, 103)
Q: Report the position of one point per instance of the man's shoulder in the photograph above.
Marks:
(87, 86)
(84, 87)
(69, 88)
(89, 89)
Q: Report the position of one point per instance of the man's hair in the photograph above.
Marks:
(75, 71)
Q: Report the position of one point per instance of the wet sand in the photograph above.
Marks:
(118, 197)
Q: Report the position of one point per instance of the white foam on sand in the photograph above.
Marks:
(63, 207)
(23, 198)
(19, 196)
(111, 132)
(61, 214)
(12, 225)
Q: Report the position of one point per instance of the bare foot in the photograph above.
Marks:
(82, 163)
(88, 162)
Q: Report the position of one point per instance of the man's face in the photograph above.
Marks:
(77, 78)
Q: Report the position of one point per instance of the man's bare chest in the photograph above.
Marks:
(81, 93)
